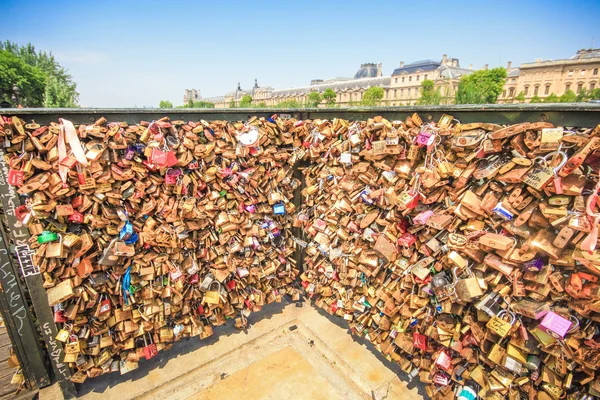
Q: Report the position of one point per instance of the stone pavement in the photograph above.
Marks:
(289, 352)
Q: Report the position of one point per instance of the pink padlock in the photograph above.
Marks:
(422, 217)
(425, 139)
(172, 175)
(555, 325)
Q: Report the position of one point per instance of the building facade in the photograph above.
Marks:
(401, 88)
(543, 78)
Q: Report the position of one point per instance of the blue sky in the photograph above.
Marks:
(134, 53)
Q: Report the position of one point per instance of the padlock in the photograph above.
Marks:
(467, 289)
(55, 249)
(150, 350)
(499, 325)
(16, 174)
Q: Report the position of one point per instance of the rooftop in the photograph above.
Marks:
(368, 70)
(417, 66)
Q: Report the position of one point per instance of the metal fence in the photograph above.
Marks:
(42, 362)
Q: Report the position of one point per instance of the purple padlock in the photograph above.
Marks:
(555, 325)
(172, 175)
(129, 153)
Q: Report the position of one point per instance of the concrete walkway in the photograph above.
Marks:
(289, 352)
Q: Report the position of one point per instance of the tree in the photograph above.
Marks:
(30, 80)
(568, 97)
(583, 95)
(246, 101)
(329, 96)
(203, 104)
(288, 104)
(59, 90)
(429, 95)
(594, 94)
(165, 104)
(520, 97)
(232, 103)
(262, 104)
(552, 98)
(372, 96)
(536, 99)
(481, 87)
(314, 99)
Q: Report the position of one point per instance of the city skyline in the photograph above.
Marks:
(143, 52)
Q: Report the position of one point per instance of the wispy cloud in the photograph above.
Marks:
(80, 57)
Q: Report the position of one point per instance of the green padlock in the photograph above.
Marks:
(47, 237)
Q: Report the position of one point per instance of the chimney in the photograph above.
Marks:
(485, 67)
(401, 64)
(471, 67)
(379, 69)
(455, 62)
(444, 59)
(509, 65)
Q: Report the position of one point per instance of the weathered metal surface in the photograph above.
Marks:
(34, 282)
(564, 114)
(18, 321)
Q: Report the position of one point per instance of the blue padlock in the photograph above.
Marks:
(279, 209)
(127, 231)
(132, 239)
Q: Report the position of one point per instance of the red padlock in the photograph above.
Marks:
(230, 284)
(76, 217)
(15, 176)
(420, 341)
(22, 213)
(150, 350)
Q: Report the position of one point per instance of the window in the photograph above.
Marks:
(401, 92)
(425, 78)
(418, 76)
(570, 73)
(402, 79)
(504, 93)
(582, 72)
(595, 71)
(410, 78)
(547, 89)
(579, 87)
(592, 86)
(567, 87)
(511, 92)
(526, 90)
(535, 89)
(394, 94)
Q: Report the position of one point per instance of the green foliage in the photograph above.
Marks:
(30, 80)
(594, 94)
(204, 104)
(314, 99)
(583, 95)
(246, 101)
(536, 99)
(552, 98)
(329, 97)
(429, 95)
(262, 104)
(165, 104)
(481, 87)
(59, 90)
(568, 97)
(372, 96)
(520, 97)
(232, 103)
(288, 104)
